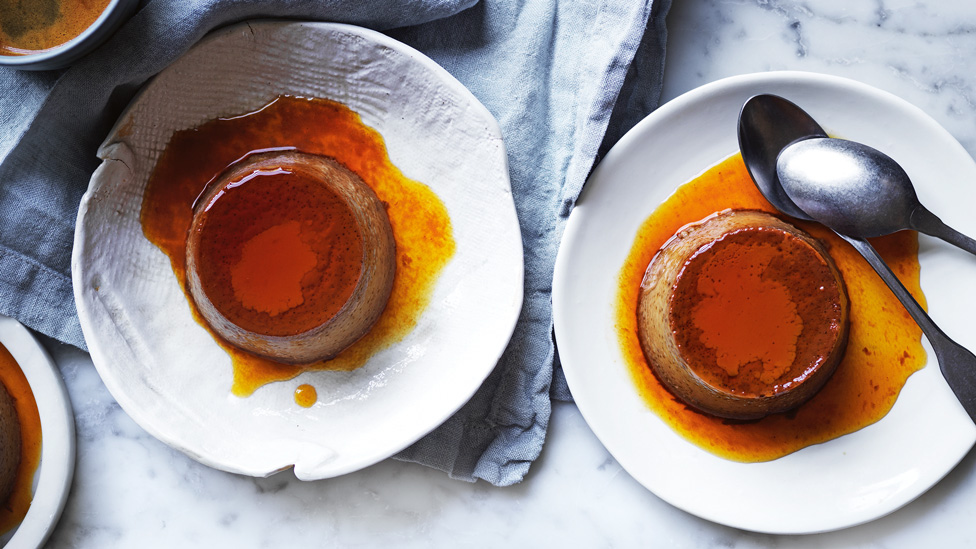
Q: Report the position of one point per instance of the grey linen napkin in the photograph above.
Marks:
(564, 78)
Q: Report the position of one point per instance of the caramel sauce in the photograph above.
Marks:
(753, 311)
(262, 238)
(12, 377)
(34, 26)
(306, 395)
(420, 222)
(884, 346)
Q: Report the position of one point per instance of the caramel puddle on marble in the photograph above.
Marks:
(884, 346)
(13, 511)
(421, 225)
(34, 26)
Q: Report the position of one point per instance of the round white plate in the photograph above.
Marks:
(52, 481)
(167, 372)
(849, 480)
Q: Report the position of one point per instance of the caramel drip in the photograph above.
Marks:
(306, 395)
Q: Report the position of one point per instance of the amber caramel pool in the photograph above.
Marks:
(883, 350)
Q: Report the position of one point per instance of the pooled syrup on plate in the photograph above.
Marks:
(34, 26)
(884, 346)
(13, 511)
(420, 222)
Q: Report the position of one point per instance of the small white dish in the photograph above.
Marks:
(165, 369)
(843, 482)
(115, 13)
(52, 481)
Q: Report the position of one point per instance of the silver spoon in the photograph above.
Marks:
(767, 125)
(759, 137)
(825, 176)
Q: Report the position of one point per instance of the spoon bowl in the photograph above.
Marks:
(767, 125)
(853, 188)
(857, 190)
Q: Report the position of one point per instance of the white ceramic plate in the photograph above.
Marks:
(52, 481)
(849, 480)
(166, 371)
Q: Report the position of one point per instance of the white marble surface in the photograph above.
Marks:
(132, 491)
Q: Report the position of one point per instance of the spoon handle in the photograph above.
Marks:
(924, 221)
(958, 365)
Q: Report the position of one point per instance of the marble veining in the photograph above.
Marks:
(130, 490)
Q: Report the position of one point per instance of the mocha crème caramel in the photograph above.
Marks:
(743, 315)
(290, 256)
(9, 444)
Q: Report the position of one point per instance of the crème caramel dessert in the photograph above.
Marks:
(742, 315)
(290, 256)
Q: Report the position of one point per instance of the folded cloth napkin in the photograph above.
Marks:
(564, 78)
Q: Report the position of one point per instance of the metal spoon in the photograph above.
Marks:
(760, 117)
(827, 176)
(767, 125)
